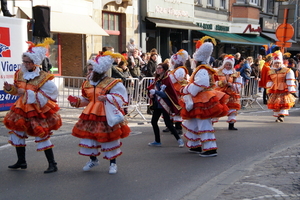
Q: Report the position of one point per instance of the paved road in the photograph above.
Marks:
(260, 161)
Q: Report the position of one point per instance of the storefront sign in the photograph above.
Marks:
(171, 9)
(213, 27)
(251, 29)
(269, 25)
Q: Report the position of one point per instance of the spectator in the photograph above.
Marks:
(151, 66)
(134, 64)
(264, 77)
(131, 47)
(237, 57)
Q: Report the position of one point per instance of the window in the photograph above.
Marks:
(270, 6)
(210, 3)
(198, 2)
(253, 2)
(223, 4)
(110, 22)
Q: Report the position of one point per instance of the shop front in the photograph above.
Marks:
(168, 26)
(232, 38)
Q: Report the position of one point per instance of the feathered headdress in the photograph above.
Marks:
(204, 39)
(37, 52)
(228, 59)
(287, 54)
(203, 53)
(269, 48)
(277, 56)
(102, 63)
(180, 57)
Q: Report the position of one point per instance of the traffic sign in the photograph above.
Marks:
(284, 32)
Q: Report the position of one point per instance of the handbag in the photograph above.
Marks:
(113, 114)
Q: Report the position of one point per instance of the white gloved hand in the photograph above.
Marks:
(163, 87)
(152, 91)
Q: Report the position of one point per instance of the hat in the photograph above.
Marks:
(228, 59)
(205, 39)
(203, 53)
(102, 63)
(37, 52)
(277, 56)
(180, 57)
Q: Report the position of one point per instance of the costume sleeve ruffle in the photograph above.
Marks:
(201, 81)
(118, 95)
(290, 81)
(47, 92)
(179, 74)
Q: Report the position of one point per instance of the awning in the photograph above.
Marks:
(255, 39)
(174, 24)
(70, 23)
(233, 38)
(273, 37)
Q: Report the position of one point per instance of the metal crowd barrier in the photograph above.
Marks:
(136, 89)
(249, 93)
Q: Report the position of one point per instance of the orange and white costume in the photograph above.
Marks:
(92, 127)
(202, 103)
(34, 113)
(229, 82)
(178, 75)
(280, 85)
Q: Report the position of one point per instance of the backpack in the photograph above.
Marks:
(46, 65)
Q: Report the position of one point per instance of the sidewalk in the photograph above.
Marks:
(276, 178)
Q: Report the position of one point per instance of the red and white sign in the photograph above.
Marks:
(13, 37)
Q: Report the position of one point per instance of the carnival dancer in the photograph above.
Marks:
(202, 103)
(229, 81)
(35, 111)
(103, 97)
(281, 87)
(178, 76)
(164, 101)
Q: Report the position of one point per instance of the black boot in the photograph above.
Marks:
(5, 10)
(280, 118)
(21, 163)
(231, 127)
(52, 164)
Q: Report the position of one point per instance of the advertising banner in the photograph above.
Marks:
(13, 37)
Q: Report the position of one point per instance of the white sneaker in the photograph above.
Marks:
(89, 165)
(113, 168)
(181, 143)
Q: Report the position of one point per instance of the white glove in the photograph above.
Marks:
(152, 91)
(189, 104)
(163, 87)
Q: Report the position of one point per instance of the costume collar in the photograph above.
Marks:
(30, 75)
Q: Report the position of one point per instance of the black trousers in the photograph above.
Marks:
(265, 96)
(154, 121)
